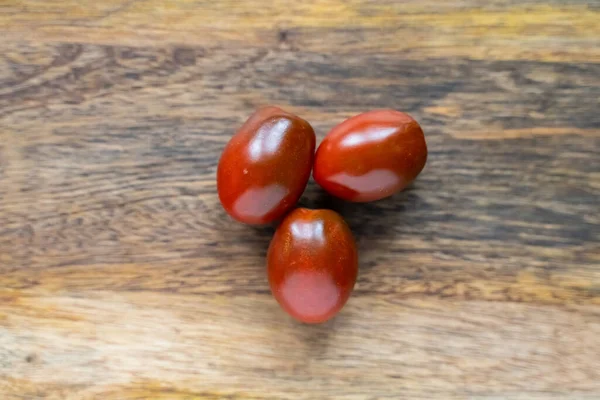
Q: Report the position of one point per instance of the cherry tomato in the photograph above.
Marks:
(371, 156)
(312, 264)
(265, 166)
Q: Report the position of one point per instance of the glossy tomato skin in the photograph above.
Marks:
(265, 166)
(312, 264)
(371, 156)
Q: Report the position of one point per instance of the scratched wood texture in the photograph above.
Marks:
(122, 278)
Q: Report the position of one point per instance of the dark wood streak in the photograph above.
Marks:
(139, 188)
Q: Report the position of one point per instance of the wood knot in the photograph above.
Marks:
(282, 36)
(184, 56)
(31, 358)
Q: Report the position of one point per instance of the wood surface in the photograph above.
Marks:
(122, 278)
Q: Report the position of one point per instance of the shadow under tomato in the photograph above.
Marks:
(249, 239)
(374, 223)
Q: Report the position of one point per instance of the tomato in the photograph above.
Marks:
(265, 166)
(371, 156)
(312, 264)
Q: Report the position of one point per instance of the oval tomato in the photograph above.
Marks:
(371, 156)
(312, 264)
(265, 166)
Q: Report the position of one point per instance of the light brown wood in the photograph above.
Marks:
(122, 278)
(135, 345)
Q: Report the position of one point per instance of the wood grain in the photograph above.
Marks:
(122, 278)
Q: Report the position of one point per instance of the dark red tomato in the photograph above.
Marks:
(312, 264)
(265, 166)
(371, 156)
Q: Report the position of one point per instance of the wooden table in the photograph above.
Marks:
(122, 278)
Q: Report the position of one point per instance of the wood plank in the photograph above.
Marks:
(122, 278)
(138, 133)
(499, 30)
(112, 346)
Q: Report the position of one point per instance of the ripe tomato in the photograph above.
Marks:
(371, 156)
(312, 264)
(265, 166)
